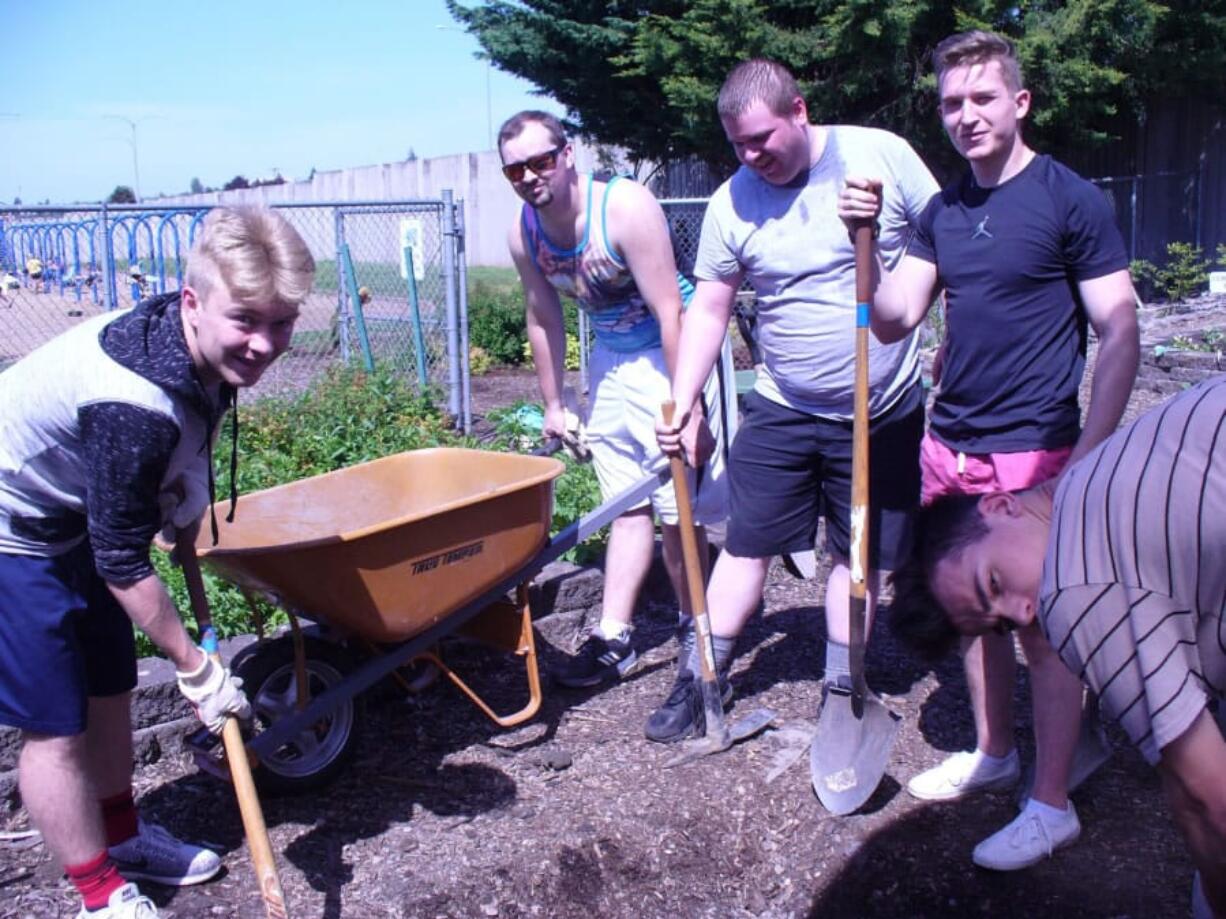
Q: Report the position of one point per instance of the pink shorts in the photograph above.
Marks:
(950, 472)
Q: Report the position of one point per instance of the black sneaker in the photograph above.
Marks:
(682, 714)
(599, 661)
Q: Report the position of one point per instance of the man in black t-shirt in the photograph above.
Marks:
(1028, 255)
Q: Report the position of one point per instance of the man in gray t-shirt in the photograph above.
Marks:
(774, 224)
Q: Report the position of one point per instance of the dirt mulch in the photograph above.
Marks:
(573, 815)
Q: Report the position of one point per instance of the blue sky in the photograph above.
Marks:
(228, 88)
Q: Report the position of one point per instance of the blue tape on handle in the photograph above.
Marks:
(861, 315)
(208, 641)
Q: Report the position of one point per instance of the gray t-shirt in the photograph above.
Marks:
(791, 246)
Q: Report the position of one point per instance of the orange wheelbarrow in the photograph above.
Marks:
(388, 556)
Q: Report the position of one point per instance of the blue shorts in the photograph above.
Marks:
(63, 638)
(789, 468)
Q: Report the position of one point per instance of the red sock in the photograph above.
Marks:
(95, 879)
(119, 817)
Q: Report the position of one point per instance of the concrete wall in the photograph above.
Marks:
(490, 204)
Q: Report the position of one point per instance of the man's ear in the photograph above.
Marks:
(189, 304)
(1000, 503)
(1021, 101)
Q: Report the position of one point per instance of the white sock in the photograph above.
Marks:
(993, 760)
(609, 629)
(1033, 805)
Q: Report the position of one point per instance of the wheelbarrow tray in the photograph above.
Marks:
(386, 549)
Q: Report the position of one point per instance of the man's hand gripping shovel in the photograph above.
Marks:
(855, 731)
(236, 753)
(719, 735)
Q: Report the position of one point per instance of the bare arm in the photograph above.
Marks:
(702, 337)
(902, 297)
(546, 331)
(150, 608)
(1110, 306)
(638, 229)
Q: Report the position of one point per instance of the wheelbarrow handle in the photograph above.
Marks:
(551, 446)
(236, 753)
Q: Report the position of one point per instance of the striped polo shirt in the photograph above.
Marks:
(1134, 582)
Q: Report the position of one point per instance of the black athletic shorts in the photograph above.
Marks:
(789, 468)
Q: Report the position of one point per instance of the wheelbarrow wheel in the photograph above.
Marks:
(319, 753)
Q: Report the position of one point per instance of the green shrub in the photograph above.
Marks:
(479, 361)
(571, 361)
(496, 322)
(1221, 255)
(1185, 274)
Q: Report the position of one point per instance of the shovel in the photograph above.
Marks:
(719, 736)
(855, 731)
(236, 753)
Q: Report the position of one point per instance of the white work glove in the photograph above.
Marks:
(183, 503)
(214, 693)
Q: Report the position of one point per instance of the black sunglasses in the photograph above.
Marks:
(540, 163)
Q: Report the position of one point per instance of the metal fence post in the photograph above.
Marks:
(449, 283)
(466, 404)
(108, 262)
(342, 298)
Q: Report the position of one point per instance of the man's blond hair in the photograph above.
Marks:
(978, 47)
(252, 252)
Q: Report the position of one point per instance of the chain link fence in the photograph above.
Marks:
(388, 286)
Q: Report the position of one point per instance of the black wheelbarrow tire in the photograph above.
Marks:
(320, 753)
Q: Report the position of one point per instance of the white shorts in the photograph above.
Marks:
(627, 390)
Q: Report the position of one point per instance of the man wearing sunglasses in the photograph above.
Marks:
(606, 245)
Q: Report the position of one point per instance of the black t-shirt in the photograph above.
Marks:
(1010, 259)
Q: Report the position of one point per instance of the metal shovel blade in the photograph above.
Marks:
(850, 749)
(719, 741)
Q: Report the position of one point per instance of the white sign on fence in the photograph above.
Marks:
(1217, 282)
(410, 236)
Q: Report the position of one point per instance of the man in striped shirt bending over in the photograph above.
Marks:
(1122, 563)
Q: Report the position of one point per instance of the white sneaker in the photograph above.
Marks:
(154, 855)
(125, 903)
(965, 773)
(1032, 836)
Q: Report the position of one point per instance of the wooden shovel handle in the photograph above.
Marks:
(694, 580)
(858, 606)
(236, 753)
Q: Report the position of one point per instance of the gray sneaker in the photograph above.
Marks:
(154, 855)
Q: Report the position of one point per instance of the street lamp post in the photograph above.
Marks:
(131, 123)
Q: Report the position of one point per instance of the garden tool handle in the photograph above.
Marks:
(689, 552)
(858, 605)
(236, 753)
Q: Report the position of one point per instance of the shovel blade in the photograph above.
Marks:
(850, 751)
(719, 741)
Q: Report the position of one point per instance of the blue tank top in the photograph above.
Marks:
(598, 279)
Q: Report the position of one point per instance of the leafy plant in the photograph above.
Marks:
(496, 322)
(1221, 255)
(1210, 341)
(570, 362)
(1186, 272)
(479, 360)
